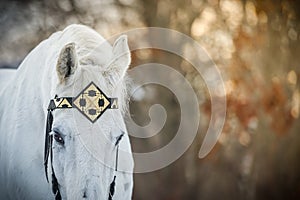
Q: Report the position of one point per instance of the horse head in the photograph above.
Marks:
(83, 141)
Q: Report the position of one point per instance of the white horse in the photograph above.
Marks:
(84, 154)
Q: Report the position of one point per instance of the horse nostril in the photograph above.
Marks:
(84, 195)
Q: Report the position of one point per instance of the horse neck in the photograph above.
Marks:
(26, 93)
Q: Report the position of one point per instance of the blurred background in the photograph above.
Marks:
(255, 44)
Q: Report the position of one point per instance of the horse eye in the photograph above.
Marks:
(58, 138)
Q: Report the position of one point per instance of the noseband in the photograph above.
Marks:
(92, 103)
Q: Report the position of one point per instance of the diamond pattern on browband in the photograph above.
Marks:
(91, 102)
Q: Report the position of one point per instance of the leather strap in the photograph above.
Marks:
(113, 183)
(47, 152)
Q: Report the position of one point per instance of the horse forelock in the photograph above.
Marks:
(94, 54)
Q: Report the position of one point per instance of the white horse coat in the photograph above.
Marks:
(82, 171)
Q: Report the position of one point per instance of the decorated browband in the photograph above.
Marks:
(91, 102)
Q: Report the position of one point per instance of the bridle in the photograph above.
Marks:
(92, 103)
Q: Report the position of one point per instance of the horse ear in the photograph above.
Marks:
(67, 62)
(121, 57)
